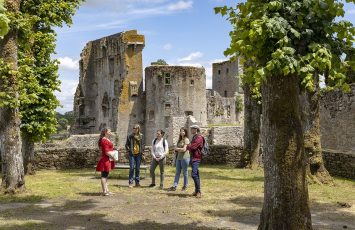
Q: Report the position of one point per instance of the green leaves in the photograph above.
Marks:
(291, 37)
(4, 21)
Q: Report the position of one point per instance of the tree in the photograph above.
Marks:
(39, 73)
(4, 21)
(159, 62)
(289, 42)
(252, 128)
(13, 178)
(252, 122)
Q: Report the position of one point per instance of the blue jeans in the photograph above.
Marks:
(134, 165)
(181, 164)
(195, 174)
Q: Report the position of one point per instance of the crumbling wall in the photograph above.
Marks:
(337, 120)
(110, 89)
(225, 78)
(173, 91)
(221, 110)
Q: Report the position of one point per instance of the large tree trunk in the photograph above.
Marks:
(316, 171)
(13, 178)
(285, 188)
(252, 110)
(28, 155)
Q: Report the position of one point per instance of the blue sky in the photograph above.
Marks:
(182, 32)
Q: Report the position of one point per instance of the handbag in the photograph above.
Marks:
(113, 155)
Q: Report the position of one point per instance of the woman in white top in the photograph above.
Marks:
(160, 149)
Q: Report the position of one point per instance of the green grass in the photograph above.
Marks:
(48, 184)
(229, 195)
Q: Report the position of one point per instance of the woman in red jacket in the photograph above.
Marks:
(105, 165)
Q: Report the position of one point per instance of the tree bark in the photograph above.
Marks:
(252, 112)
(13, 179)
(285, 188)
(316, 171)
(28, 155)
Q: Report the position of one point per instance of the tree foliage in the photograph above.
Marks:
(4, 21)
(160, 62)
(291, 37)
(38, 73)
(288, 43)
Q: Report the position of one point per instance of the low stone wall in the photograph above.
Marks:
(75, 158)
(339, 163)
(224, 155)
(227, 135)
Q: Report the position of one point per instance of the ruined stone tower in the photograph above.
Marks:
(225, 80)
(110, 89)
(172, 92)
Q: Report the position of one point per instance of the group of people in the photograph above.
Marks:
(186, 153)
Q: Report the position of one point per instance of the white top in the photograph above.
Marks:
(158, 148)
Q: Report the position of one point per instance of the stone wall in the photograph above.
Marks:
(339, 163)
(227, 135)
(110, 89)
(76, 158)
(221, 110)
(225, 78)
(173, 91)
(337, 120)
(224, 155)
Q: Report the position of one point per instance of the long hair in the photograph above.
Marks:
(186, 134)
(102, 135)
(138, 127)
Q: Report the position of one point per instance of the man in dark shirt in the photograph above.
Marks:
(195, 148)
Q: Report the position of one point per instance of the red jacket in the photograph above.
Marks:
(195, 147)
(104, 164)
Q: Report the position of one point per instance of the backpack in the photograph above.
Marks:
(163, 142)
(205, 149)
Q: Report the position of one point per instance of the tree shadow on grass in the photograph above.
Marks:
(67, 216)
(90, 193)
(181, 195)
(20, 199)
(214, 176)
(325, 216)
(247, 212)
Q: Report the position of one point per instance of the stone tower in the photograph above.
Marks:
(110, 92)
(173, 92)
(222, 73)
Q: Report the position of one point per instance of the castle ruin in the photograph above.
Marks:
(110, 91)
(110, 87)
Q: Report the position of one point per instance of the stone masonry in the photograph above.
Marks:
(173, 91)
(110, 92)
(337, 120)
(110, 87)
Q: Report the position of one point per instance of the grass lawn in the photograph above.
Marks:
(231, 199)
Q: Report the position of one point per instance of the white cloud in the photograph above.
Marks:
(191, 57)
(350, 11)
(180, 5)
(66, 96)
(68, 63)
(209, 77)
(167, 46)
(194, 64)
